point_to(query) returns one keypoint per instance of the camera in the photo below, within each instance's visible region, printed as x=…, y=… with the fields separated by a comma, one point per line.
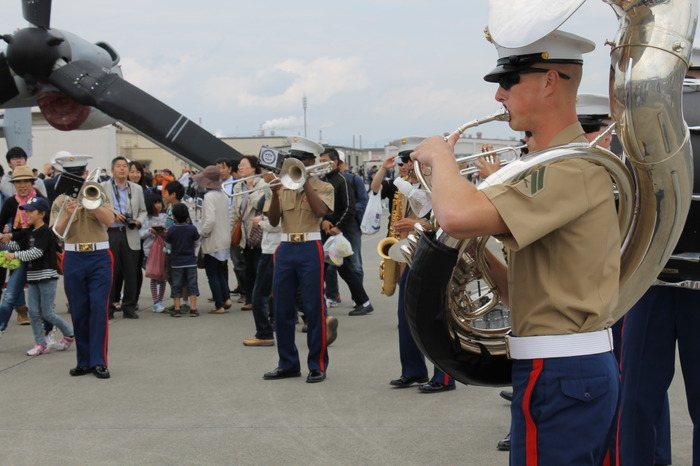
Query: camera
x=130, y=222
x=271, y=158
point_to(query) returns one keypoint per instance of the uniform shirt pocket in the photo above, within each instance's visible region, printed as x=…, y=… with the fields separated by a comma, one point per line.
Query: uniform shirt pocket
x=587, y=389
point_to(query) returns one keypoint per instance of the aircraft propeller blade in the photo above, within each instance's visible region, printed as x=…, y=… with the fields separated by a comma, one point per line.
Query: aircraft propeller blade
x=90, y=84
x=37, y=12
x=8, y=87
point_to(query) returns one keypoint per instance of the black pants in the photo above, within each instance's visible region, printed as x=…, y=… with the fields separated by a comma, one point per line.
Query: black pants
x=126, y=269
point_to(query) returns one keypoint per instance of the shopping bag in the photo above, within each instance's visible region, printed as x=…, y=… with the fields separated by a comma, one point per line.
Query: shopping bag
x=155, y=264
x=335, y=248
x=372, y=219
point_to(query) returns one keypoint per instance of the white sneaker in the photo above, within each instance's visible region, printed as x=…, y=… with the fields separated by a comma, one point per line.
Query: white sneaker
x=64, y=344
x=51, y=337
x=158, y=307
x=36, y=350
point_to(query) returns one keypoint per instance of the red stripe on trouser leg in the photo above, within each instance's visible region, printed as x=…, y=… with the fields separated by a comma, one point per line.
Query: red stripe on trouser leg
x=322, y=298
x=530, y=427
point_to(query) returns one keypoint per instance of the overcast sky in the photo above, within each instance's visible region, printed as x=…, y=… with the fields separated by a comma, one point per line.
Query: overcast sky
x=371, y=69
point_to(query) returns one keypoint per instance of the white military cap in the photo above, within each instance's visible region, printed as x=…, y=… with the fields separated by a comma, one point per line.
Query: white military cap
x=303, y=147
x=407, y=144
x=341, y=155
x=695, y=59
x=592, y=108
x=555, y=47
x=64, y=159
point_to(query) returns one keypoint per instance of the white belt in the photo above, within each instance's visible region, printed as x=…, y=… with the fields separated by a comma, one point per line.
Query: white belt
x=301, y=237
x=86, y=247
x=559, y=346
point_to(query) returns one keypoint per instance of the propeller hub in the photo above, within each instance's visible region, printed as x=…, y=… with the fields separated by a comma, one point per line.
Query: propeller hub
x=32, y=52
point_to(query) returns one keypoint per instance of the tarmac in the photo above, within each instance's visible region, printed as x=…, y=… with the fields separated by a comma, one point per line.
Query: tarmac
x=186, y=391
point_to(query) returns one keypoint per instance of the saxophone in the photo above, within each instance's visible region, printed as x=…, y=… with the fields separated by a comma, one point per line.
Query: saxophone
x=388, y=267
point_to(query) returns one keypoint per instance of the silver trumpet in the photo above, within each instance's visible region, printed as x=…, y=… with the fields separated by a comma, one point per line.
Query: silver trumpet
x=292, y=175
x=505, y=154
x=91, y=196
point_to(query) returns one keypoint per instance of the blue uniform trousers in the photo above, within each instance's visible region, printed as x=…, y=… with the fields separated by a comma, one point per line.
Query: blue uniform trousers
x=562, y=409
x=412, y=359
x=87, y=281
x=299, y=266
x=663, y=317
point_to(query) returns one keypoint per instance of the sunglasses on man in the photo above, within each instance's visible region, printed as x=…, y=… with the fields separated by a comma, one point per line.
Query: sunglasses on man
x=508, y=80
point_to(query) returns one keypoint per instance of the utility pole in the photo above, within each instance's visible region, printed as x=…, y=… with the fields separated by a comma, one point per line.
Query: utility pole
x=303, y=103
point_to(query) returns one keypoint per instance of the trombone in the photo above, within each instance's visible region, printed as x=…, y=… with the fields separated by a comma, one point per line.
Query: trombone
x=505, y=159
x=91, y=196
x=293, y=175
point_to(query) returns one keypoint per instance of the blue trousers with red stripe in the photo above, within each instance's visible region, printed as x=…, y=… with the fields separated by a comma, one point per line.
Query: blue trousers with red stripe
x=412, y=359
x=299, y=266
x=87, y=281
x=562, y=409
x=663, y=318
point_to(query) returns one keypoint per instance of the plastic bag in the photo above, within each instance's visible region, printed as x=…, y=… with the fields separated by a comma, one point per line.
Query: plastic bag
x=372, y=219
x=155, y=264
x=335, y=248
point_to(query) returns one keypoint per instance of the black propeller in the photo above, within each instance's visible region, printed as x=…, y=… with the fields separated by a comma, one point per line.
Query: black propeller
x=37, y=12
x=88, y=75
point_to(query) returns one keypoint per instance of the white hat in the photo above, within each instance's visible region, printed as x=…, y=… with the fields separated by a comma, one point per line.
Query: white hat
x=408, y=143
x=695, y=58
x=64, y=159
x=341, y=155
x=555, y=47
x=304, y=145
x=593, y=107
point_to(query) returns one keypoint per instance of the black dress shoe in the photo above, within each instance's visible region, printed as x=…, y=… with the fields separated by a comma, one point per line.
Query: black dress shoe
x=131, y=315
x=281, y=374
x=406, y=381
x=361, y=310
x=504, y=445
x=316, y=376
x=507, y=395
x=80, y=370
x=101, y=372
x=435, y=387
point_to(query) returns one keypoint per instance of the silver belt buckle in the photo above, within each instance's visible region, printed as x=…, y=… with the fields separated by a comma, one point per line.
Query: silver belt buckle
x=86, y=247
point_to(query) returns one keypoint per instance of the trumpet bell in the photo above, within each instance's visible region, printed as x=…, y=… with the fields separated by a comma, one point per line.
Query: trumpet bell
x=91, y=195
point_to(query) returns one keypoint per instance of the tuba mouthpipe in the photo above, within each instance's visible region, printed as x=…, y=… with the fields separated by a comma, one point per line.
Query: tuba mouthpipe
x=500, y=115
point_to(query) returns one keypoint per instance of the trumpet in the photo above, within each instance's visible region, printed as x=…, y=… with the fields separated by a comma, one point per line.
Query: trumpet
x=91, y=196
x=292, y=175
x=505, y=154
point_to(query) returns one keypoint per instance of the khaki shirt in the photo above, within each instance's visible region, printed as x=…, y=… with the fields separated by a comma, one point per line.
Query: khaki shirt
x=563, y=274
x=297, y=216
x=86, y=228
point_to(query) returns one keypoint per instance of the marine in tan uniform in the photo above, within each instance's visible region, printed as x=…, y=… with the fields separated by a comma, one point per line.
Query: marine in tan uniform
x=299, y=268
x=87, y=269
x=560, y=224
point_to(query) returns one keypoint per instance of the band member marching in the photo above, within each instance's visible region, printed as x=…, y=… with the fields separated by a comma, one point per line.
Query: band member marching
x=87, y=267
x=299, y=266
x=402, y=221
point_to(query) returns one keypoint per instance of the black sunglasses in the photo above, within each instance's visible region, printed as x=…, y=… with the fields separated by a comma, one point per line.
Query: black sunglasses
x=508, y=80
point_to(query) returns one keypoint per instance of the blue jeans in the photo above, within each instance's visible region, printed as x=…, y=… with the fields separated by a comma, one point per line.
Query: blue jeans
x=41, y=303
x=14, y=294
x=216, y=275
